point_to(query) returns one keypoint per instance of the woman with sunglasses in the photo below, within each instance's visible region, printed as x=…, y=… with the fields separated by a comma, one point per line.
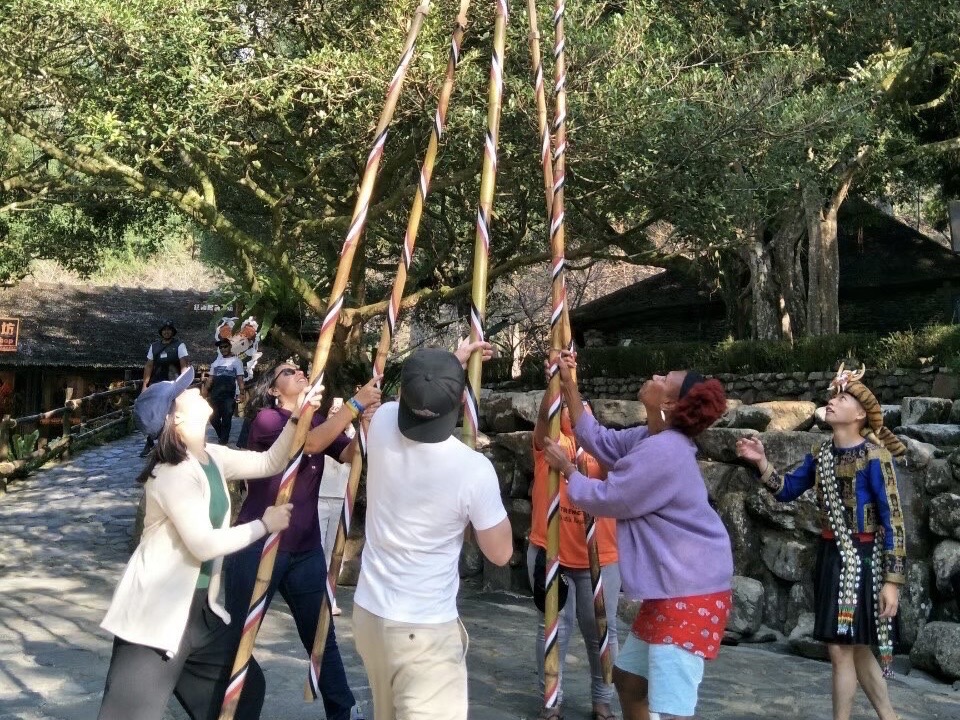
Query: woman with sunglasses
x=300, y=571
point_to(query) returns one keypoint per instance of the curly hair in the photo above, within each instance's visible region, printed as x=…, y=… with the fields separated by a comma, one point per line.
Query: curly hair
x=699, y=408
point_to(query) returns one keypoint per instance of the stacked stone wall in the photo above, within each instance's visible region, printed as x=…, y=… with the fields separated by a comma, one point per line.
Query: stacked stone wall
x=773, y=543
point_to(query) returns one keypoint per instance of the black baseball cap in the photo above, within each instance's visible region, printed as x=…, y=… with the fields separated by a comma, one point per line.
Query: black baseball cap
x=164, y=324
x=431, y=392
x=153, y=405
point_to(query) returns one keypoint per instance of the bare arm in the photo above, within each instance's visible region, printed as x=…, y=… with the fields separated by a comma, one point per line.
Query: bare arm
x=147, y=373
x=496, y=543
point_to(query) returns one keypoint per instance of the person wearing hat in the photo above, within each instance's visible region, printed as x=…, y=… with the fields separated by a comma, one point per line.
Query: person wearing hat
x=166, y=359
x=223, y=382
x=674, y=551
x=171, y=635
x=861, y=555
x=424, y=487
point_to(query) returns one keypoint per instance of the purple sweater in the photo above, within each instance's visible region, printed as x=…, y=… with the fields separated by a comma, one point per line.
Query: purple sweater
x=671, y=542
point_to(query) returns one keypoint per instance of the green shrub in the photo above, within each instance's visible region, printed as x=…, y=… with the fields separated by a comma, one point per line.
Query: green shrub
x=937, y=345
x=23, y=445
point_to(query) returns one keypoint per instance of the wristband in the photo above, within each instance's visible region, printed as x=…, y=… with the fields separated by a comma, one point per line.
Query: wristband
x=355, y=407
x=294, y=419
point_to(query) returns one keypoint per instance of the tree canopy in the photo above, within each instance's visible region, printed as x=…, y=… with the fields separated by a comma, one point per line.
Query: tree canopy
x=739, y=123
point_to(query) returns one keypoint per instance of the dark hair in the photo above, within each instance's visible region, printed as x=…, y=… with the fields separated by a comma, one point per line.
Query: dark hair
x=699, y=408
x=168, y=449
x=261, y=396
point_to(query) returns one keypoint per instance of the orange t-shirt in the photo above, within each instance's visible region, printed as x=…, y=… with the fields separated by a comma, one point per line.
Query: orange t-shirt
x=573, y=538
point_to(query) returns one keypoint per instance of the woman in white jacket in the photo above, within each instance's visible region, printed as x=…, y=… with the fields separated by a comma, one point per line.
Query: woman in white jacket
x=171, y=635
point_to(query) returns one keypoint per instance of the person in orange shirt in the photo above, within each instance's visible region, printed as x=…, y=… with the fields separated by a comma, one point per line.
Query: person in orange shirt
x=575, y=565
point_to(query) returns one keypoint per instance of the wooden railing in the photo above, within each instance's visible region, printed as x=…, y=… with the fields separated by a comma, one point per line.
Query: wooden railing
x=72, y=433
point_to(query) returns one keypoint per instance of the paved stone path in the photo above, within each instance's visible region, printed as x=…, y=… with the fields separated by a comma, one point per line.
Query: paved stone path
x=64, y=536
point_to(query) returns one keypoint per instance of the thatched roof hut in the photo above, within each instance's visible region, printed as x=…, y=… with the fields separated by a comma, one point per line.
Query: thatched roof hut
x=74, y=326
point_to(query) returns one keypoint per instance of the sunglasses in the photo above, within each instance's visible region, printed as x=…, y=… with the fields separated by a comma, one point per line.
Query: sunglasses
x=286, y=372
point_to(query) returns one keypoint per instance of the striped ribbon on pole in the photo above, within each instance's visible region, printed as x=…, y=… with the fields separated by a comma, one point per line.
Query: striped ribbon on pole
x=312, y=689
x=481, y=247
x=599, y=603
x=322, y=352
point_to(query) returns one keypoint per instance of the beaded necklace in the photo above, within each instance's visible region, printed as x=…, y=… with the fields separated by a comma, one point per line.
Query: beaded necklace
x=850, y=565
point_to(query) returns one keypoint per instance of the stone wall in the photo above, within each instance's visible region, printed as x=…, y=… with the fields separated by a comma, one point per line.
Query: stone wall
x=773, y=543
x=890, y=385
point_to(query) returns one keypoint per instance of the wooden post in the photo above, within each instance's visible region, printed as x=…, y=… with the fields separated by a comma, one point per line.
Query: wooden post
x=5, y=425
x=66, y=417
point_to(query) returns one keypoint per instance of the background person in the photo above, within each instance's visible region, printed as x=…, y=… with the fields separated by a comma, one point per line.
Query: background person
x=222, y=385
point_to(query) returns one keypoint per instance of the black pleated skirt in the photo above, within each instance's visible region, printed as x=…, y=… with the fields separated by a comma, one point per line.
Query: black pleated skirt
x=826, y=585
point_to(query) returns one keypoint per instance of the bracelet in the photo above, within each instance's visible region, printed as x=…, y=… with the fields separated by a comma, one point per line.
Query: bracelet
x=355, y=407
x=294, y=419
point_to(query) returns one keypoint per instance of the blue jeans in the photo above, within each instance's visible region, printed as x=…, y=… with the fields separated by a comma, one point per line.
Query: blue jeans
x=301, y=578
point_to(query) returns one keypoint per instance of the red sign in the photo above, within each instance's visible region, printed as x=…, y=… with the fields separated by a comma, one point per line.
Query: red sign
x=9, y=334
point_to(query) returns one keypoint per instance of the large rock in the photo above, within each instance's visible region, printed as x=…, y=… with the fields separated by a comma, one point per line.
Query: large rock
x=919, y=454
x=720, y=444
x=937, y=649
x=920, y=410
x=747, y=613
x=789, y=414
x=801, y=514
x=800, y=601
x=497, y=414
x=787, y=449
x=945, y=515
x=946, y=564
x=520, y=446
x=939, y=434
x=751, y=417
x=619, y=413
x=723, y=478
x=939, y=477
x=801, y=639
x=787, y=557
x=892, y=415
x=915, y=602
x=915, y=506
x=744, y=538
x=775, y=599
x=519, y=511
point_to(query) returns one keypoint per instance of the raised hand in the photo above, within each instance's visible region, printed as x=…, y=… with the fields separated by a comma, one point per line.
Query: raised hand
x=751, y=450
x=467, y=348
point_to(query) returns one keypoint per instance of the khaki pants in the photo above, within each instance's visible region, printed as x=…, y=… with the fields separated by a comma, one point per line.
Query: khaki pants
x=416, y=672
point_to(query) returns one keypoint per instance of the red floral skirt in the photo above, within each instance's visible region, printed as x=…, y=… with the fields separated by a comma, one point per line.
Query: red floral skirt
x=695, y=623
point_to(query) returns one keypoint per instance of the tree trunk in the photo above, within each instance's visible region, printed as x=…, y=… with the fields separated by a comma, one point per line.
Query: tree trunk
x=765, y=320
x=783, y=251
x=812, y=205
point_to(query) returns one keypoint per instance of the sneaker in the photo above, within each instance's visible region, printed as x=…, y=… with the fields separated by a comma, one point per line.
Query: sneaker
x=356, y=713
x=336, y=610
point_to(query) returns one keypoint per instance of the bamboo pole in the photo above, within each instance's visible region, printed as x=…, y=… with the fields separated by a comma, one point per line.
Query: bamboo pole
x=312, y=688
x=481, y=251
x=322, y=352
x=599, y=602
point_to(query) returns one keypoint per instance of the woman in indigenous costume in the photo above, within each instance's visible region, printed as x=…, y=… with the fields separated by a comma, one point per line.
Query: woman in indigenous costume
x=861, y=554
x=674, y=551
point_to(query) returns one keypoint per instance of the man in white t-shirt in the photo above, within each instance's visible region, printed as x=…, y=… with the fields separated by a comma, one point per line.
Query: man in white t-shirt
x=423, y=488
x=220, y=388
